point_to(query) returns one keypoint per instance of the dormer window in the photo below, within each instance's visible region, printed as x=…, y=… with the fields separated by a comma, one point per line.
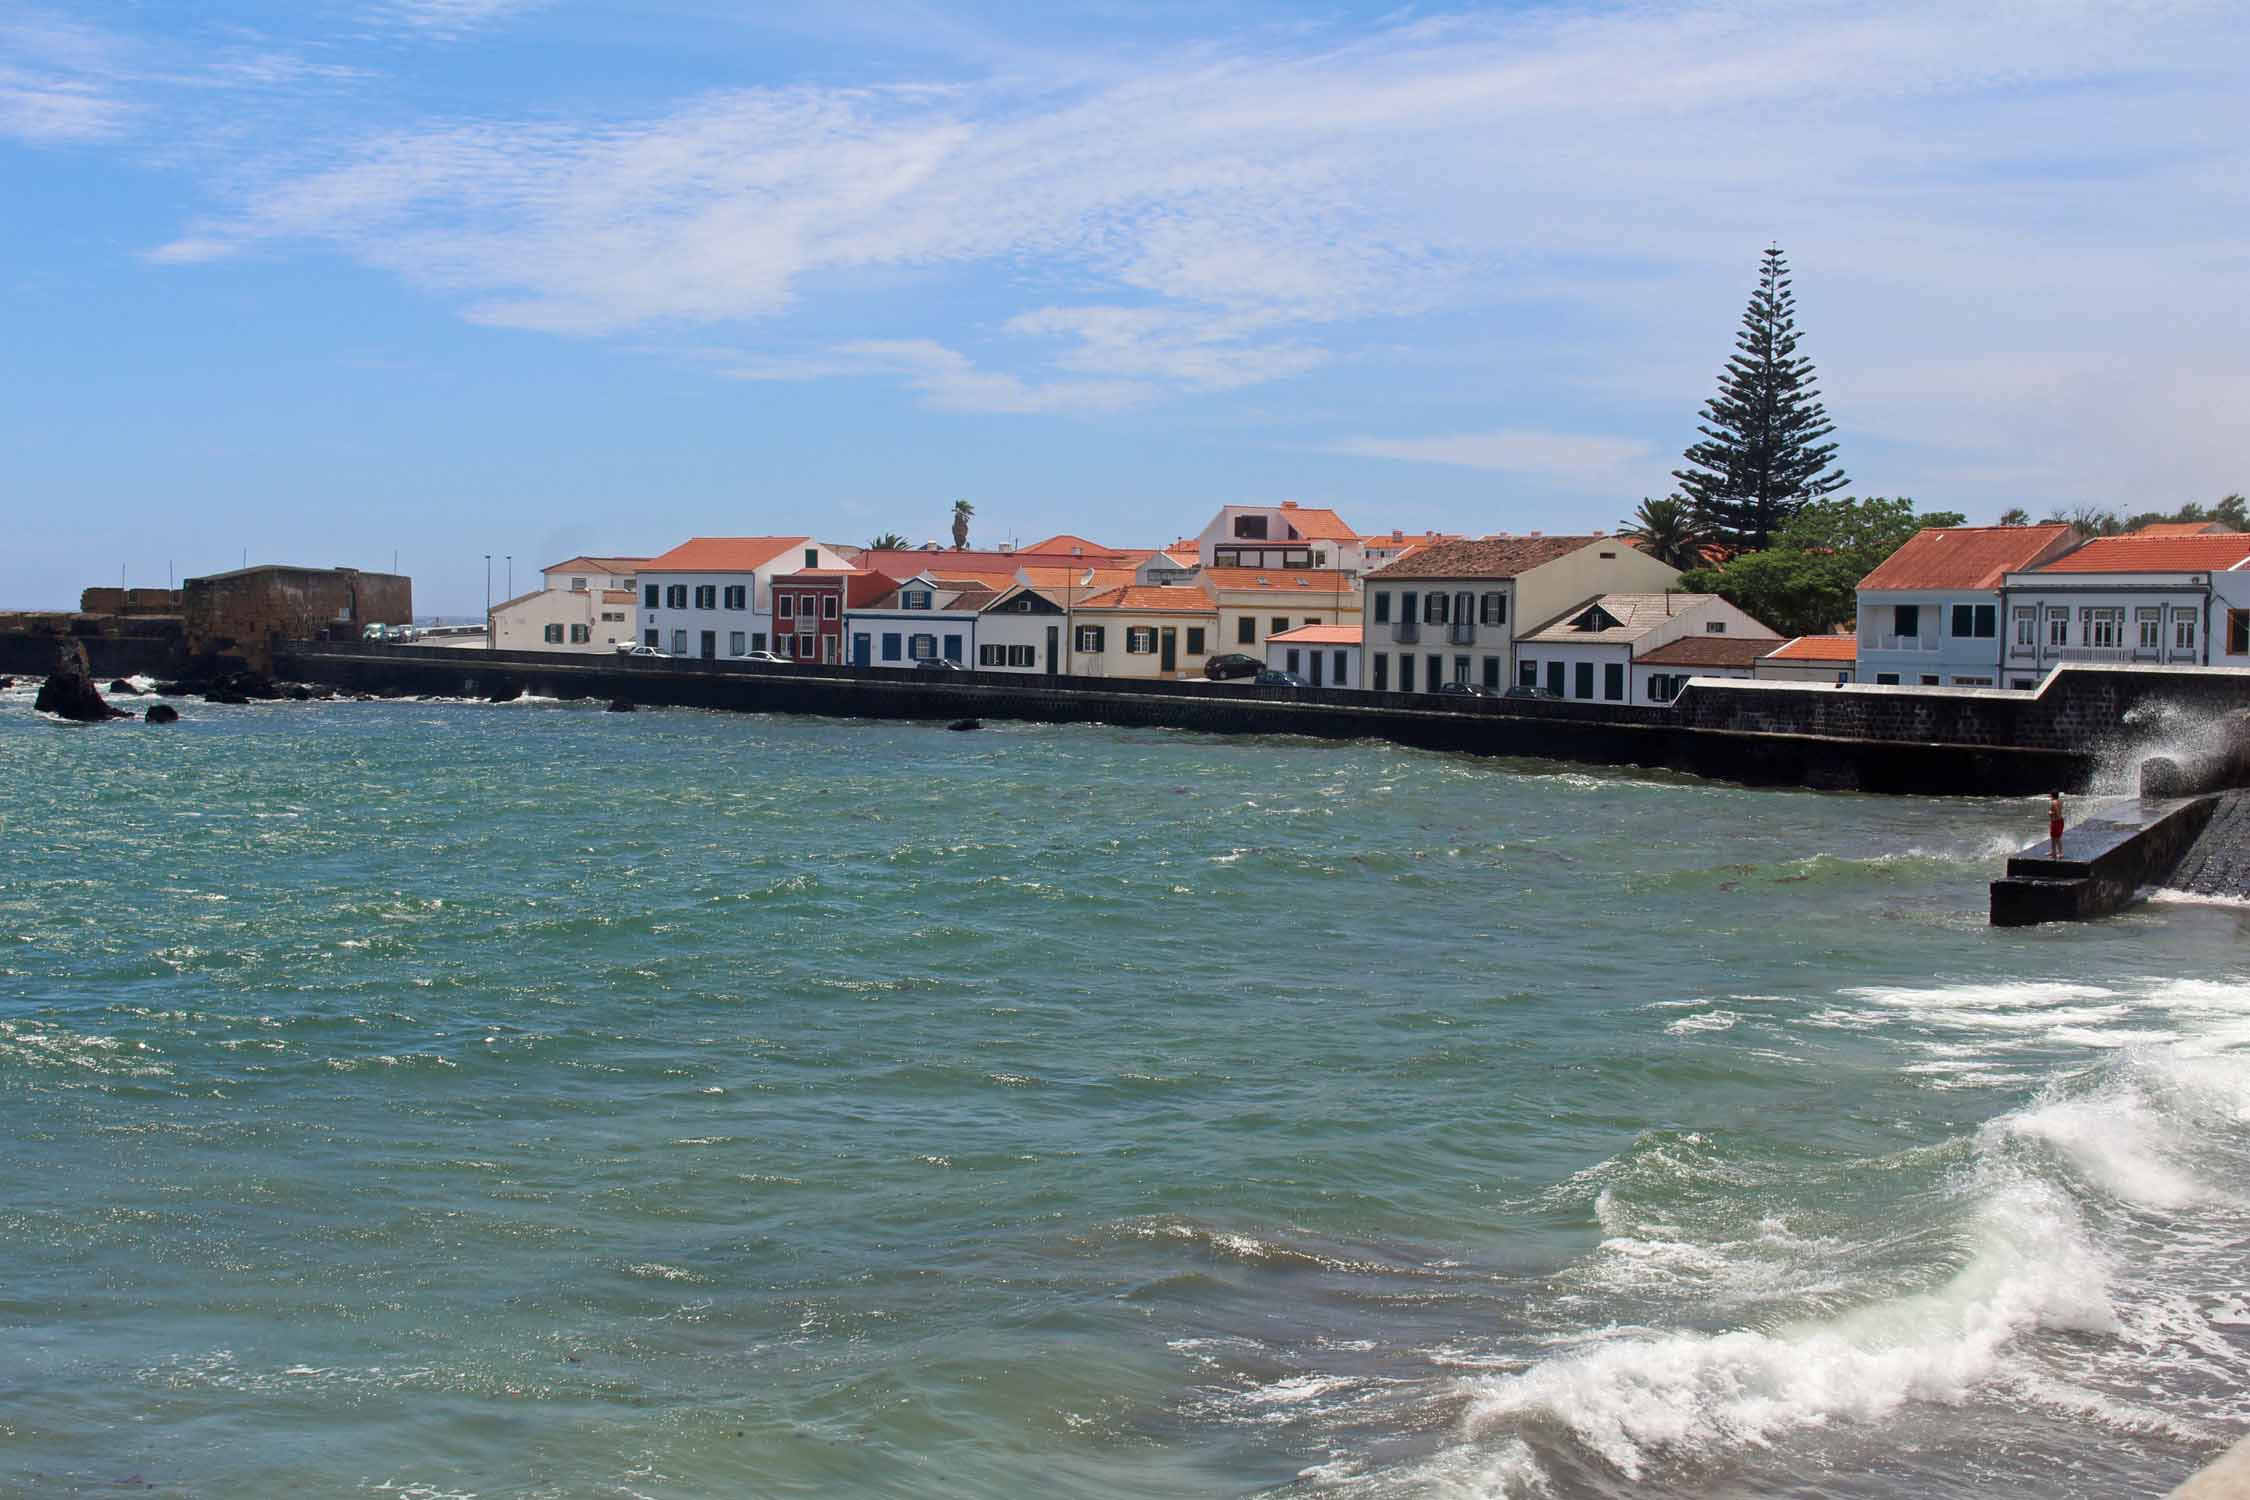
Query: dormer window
x=914, y=599
x=1715, y=627
x=1250, y=528
x=812, y=557
x=1596, y=618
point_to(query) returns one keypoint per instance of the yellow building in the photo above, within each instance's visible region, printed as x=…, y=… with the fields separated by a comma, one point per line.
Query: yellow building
x=1143, y=631
x=1256, y=603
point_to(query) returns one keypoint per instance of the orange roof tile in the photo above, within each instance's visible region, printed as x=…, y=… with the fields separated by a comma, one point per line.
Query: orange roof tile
x=1077, y=578
x=1319, y=635
x=1817, y=648
x=1317, y=523
x=617, y=596
x=1065, y=541
x=1175, y=601
x=2155, y=554
x=597, y=564
x=2183, y=528
x=723, y=554
x=1966, y=557
x=1310, y=580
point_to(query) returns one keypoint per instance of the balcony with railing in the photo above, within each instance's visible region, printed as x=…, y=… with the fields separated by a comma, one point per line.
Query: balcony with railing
x=1904, y=643
x=1462, y=633
x=1407, y=632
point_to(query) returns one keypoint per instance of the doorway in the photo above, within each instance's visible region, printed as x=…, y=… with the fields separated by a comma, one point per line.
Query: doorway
x=1316, y=659
x=863, y=649
x=1054, y=649
x=1168, y=640
x=710, y=645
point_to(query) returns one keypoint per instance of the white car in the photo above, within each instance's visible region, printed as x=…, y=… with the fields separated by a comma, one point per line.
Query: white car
x=625, y=650
x=764, y=656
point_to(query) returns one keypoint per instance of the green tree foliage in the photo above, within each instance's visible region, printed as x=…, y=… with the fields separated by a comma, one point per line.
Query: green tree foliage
x=1668, y=531
x=2095, y=520
x=1761, y=457
x=889, y=541
x=1807, y=583
x=962, y=510
x=2015, y=515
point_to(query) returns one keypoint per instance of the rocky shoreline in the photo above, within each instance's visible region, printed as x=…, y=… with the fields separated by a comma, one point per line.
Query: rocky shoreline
x=71, y=693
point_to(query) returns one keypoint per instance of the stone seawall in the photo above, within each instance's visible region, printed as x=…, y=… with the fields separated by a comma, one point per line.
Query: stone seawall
x=2107, y=860
x=1597, y=733
x=32, y=653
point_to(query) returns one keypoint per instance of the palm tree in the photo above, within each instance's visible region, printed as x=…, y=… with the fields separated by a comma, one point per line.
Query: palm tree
x=889, y=541
x=962, y=510
x=1668, y=531
x=2015, y=515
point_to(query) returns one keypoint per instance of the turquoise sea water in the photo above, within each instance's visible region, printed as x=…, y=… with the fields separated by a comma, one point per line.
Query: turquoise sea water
x=431, y=1100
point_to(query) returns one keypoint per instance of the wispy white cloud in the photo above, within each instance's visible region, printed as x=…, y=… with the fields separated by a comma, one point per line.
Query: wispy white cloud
x=58, y=80
x=447, y=19
x=1580, y=460
x=944, y=377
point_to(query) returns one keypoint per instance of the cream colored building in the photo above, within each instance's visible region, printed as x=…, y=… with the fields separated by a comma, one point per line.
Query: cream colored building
x=594, y=573
x=565, y=619
x=1140, y=631
x=1256, y=604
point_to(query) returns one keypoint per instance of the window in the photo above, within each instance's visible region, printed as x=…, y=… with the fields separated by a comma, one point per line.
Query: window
x=1886, y=679
x=2183, y=630
x=1245, y=631
x=1406, y=605
x=1437, y=673
x=1714, y=627
x=1289, y=660
x=1337, y=677
x=1460, y=669
x=609, y=618
x=1140, y=640
x=2238, y=632
x=894, y=645
x=1464, y=607
x=1660, y=689
x=738, y=597
x=1979, y=622
x=1434, y=608
x=1279, y=624
x=553, y=635
x=1972, y=682
x=2020, y=684
x=808, y=605
x=706, y=596
x=757, y=640
x=812, y=557
x=1383, y=607
x=1090, y=638
x=648, y=596
x=1406, y=672
x=1582, y=685
x=992, y=656
x=1527, y=673
x=914, y=598
x=737, y=643
x=1195, y=640
x=1492, y=673
x=2151, y=623
x=2058, y=627
x=1613, y=681
x=1929, y=679
x=806, y=646
x=675, y=596
x=578, y=585
x=1382, y=674
x=1492, y=609
x=679, y=643
x=2101, y=627
x=785, y=606
x=581, y=635
x=828, y=603
x=2027, y=627
x=1906, y=619
x=650, y=639
x=1251, y=528
x=1022, y=656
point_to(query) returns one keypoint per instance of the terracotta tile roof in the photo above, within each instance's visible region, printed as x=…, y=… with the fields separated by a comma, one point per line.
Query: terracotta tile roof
x=1065, y=541
x=1174, y=601
x=1965, y=557
x=2183, y=528
x=617, y=596
x=1491, y=557
x=1316, y=523
x=1281, y=580
x=2155, y=554
x=1821, y=648
x=723, y=554
x=1399, y=540
x=1076, y=579
x=1318, y=635
x=1636, y=615
x=597, y=564
x=1707, y=651
x=905, y=562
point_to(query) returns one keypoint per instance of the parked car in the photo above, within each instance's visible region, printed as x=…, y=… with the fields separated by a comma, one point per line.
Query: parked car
x=938, y=664
x=1272, y=678
x=767, y=657
x=1525, y=690
x=643, y=651
x=1467, y=690
x=1232, y=664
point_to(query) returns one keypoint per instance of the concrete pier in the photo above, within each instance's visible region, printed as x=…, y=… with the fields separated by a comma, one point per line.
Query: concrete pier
x=2107, y=860
x=2226, y=1478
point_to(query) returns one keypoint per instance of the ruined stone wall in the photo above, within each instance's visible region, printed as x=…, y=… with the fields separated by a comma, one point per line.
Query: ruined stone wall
x=100, y=601
x=246, y=614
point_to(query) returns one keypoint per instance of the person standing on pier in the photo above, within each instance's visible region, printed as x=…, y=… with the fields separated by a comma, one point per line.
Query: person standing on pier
x=2054, y=825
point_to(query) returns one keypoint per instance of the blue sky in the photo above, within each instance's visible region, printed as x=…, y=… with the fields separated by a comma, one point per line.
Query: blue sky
x=325, y=281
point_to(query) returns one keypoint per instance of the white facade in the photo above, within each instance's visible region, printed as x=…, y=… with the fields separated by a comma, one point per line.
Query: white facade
x=1021, y=631
x=1592, y=652
x=921, y=619
x=1278, y=536
x=712, y=610
x=2228, y=628
x=593, y=574
x=2152, y=618
x=1930, y=637
x=1323, y=656
x=1653, y=684
x=586, y=620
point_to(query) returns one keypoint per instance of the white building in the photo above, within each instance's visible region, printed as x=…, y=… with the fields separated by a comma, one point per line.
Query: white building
x=2168, y=600
x=1324, y=655
x=1022, y=629
x=1287, y=535
x=1138, y=631
x=584, y=574
x=1449, y=612
x=1810, y=658
x=1930, y=615
x=711, y=596
x=1639, y=648
x=564, y=619
x=925, y=617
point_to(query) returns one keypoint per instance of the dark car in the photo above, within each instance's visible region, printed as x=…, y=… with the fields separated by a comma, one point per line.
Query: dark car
x=1232, y=664
x=1279, y=679
x=1467, y=690
x=1525, y=690
x=937, y=664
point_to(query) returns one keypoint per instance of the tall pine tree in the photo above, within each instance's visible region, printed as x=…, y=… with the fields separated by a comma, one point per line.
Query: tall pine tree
x=1762, y=456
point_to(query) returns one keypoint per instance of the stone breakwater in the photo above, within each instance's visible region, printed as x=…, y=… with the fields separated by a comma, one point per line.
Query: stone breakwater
x=1594, y=733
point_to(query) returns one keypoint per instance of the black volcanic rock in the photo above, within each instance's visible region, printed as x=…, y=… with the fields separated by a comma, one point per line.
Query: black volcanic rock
x=507, y=694
x=162, y=713
x=621, y=706
x=966, y=724
x=124, y=688
x=227, y=696
x=71, y=695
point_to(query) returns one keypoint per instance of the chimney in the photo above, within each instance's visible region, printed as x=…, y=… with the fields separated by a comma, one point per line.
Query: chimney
x=1288, y=505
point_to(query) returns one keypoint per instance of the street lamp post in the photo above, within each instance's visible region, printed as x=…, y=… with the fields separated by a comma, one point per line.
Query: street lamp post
x=488, y=601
